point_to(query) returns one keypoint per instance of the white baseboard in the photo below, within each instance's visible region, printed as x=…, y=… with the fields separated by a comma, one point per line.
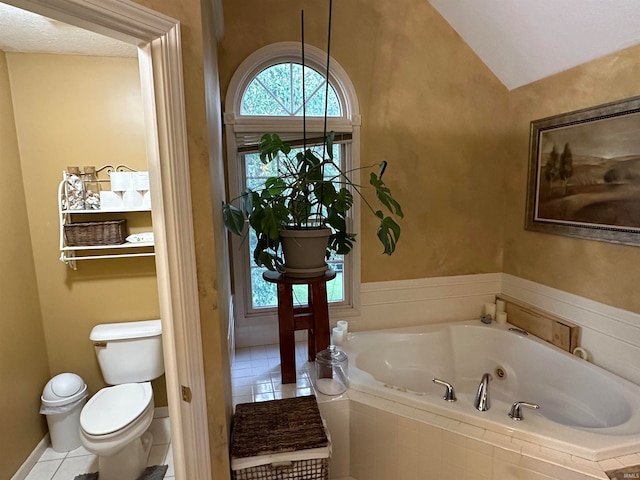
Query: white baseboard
x=610, y=335
x=32, y=459
x=256, y=332
x=161, y=412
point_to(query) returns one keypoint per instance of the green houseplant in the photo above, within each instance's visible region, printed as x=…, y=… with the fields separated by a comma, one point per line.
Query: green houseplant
x=307, y=199
x=309, y=192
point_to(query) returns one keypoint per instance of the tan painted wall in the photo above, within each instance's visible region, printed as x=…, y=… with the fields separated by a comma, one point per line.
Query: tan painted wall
x=213, y=279
x=601, y=271
x=217, y=363
x=78, y=110
x=429, y=106
x=23, y=353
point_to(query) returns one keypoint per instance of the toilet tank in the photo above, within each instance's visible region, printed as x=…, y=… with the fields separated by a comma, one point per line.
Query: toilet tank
x=129, y=352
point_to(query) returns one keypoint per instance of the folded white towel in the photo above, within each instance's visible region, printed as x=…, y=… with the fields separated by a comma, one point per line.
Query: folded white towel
x=145, y=237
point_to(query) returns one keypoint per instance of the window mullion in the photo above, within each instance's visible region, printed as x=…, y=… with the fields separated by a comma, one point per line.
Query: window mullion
x=291, y=96
x=271, y=94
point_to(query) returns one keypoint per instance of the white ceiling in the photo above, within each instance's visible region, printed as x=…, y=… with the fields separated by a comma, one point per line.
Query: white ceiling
x=521, y=41
x=22, y=31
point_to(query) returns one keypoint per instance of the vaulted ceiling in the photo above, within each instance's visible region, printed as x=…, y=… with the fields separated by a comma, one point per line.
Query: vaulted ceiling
x=521, y=41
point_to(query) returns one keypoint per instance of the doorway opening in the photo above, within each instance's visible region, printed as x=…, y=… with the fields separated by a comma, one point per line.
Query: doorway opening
x=158, y=40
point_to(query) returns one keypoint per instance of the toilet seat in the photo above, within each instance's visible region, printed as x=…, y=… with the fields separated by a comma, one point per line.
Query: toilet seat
x=113, y=408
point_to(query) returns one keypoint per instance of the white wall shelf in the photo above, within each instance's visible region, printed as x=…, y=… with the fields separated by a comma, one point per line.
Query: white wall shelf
x=70, y=254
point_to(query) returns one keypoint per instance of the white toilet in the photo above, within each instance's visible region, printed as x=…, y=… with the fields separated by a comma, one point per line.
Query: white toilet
x=114, y=422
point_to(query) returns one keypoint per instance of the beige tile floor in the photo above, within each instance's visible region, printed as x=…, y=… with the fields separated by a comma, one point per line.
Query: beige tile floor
x=255, y=375
x=65, y=466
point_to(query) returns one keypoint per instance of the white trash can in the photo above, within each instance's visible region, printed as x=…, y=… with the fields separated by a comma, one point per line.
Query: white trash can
x=62, y=401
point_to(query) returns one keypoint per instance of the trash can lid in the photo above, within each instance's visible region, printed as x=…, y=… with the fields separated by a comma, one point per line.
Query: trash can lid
x=63, y=389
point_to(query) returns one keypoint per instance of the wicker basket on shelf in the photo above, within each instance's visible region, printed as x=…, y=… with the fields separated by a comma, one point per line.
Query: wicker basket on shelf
x=87, y=234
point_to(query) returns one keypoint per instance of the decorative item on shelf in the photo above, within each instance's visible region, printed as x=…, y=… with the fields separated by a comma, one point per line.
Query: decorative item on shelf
x=337, y=336
x=143, y=237
x=146, y=200
x=140, y=181
x=121, y=181
x=110, y=200
x=73, y=189
x=132, y=200
x=332, y=377
x=309, y=192
x=344, y=326
x=129, y=189
x=489, y=313
x=141, y=186
x=91, y=189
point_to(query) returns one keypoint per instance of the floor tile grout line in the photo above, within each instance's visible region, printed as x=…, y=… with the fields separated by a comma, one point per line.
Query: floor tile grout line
x=59, y=466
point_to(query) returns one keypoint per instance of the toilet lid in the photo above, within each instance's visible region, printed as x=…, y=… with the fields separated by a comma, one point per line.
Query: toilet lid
x=113, y=408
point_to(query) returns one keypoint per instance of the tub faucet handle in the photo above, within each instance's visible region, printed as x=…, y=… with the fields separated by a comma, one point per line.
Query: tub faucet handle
x=516, y=409
x=450, y=394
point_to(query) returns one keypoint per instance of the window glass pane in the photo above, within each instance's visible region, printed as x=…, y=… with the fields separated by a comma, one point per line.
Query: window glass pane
x=277, y=91
x=277, y=81
x=263, y=294
x=258, y=101
x=335, y=288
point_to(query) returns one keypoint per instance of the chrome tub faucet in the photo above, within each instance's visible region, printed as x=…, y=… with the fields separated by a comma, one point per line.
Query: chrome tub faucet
x=482, y=397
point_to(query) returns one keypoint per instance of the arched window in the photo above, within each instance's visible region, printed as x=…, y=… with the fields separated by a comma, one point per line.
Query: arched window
x=275, y=91
x=265, y=96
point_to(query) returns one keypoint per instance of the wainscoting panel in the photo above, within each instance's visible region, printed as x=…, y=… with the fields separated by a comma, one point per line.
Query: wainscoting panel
x=422, y=301
x=396, y=304
x=610, y=335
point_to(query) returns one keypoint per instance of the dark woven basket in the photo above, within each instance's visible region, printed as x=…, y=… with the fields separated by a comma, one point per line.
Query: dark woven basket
x=86, y=234
x=279, y=426
x=310, y=469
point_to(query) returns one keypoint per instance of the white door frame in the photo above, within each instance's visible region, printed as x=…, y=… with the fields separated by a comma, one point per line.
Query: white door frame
x=158, y=39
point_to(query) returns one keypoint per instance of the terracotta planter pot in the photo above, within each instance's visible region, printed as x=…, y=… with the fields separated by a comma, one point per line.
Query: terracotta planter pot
x=304, y=251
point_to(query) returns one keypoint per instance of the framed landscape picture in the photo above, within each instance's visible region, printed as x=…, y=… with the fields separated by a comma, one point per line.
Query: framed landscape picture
x=584, y=173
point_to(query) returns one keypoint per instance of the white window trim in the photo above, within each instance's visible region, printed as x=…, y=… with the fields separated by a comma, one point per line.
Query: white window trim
x=237, y=124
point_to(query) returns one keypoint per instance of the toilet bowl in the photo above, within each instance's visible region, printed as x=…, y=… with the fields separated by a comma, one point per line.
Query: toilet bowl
x=113, y=425
x=114, y=422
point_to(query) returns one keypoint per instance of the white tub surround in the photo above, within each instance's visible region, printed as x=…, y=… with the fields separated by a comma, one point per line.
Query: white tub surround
x=393, y=440
x=584, y=411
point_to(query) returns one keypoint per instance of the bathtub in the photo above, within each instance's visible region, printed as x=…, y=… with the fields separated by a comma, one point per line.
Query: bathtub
x=584, y=410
